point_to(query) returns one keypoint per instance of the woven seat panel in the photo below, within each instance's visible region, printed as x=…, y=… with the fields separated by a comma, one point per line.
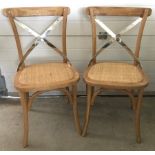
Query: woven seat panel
x=115, y=72
x=44, y=74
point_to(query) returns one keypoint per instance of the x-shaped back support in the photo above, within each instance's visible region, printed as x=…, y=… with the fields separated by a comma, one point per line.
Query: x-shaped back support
x=40, y=38
x=116, y=37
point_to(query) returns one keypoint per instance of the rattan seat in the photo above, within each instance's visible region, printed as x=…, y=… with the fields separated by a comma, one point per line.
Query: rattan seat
x=48, y=75
x=115, y=74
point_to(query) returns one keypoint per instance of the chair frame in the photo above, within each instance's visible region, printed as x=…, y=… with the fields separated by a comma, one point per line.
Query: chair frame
x=70, y=89
x=134, y=91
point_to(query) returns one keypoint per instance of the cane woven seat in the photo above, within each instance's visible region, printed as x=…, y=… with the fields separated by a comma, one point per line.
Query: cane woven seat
x=47, y=75
x=112, y=72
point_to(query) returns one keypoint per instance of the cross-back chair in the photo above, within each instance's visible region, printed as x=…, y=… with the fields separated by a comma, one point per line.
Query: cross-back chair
x=41, y=77
x=126, y=77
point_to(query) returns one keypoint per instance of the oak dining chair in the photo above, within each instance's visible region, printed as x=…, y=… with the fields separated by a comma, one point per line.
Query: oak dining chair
x=127, y=77
x=33, y=79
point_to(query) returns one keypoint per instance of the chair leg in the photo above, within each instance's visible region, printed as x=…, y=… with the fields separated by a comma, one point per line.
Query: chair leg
x=133, y=101
x=24, y=102
x=75, y=108
x=86, y=88
x=137, y=116
x=92, y=93
x=88, y=108
x=134, y=104
x=68, y=99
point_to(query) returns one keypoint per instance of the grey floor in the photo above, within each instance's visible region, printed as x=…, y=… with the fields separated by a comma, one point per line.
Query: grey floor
x=52, y=128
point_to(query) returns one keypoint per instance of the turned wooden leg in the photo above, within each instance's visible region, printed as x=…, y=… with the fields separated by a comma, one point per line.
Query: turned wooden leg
x=75, y=108
x=137, y=115
x=24, y=102
x=88, y=108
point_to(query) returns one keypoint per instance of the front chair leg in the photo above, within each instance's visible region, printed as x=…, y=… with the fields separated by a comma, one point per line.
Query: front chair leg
x=24, y=103
x=88, y=108
x=75, y=108
x=137, y=115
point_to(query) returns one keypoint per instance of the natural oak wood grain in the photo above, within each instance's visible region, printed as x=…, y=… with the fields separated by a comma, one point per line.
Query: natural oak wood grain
x=121, y=76
x=43, y=77
x=35, y=11
x=118, y=11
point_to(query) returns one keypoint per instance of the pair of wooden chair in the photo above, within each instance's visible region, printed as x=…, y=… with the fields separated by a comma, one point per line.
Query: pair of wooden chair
x=42, y=77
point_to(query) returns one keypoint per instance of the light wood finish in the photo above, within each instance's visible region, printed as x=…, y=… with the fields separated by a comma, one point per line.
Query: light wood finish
x=115, y=74
x=45, y=76
x=117, y=11
x=24, y=103
x=40, y=78
x=121, y=76
x=147, y=12
x=35, y=11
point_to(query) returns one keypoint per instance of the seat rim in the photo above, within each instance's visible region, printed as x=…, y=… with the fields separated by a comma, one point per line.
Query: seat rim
x=115, y=85
x=50, y=86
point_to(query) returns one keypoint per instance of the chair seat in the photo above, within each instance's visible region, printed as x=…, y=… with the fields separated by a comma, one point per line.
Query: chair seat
x=45, y=76
x=115, y=74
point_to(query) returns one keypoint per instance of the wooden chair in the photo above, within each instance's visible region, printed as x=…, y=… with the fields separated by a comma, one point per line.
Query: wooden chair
x=126, y=77
x=42, y=77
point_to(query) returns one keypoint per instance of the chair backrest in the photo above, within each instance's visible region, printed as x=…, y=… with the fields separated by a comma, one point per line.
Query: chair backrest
x=60, y=12
x=141, y=13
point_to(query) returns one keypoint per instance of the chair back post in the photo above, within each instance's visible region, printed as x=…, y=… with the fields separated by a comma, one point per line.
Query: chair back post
x=10, y=15
x=64, y=28
x=93, y=24
x=146, y=13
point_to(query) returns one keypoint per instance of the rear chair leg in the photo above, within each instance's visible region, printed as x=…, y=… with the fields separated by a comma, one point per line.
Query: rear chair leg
x=92, y=93
x=137, y=115
x=24, y=103
x=88, y=108
x=133, y=101
x=75, y=109
x=68, y=99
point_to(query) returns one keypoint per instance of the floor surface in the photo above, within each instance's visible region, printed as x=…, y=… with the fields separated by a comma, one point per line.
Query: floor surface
x=111, y=125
